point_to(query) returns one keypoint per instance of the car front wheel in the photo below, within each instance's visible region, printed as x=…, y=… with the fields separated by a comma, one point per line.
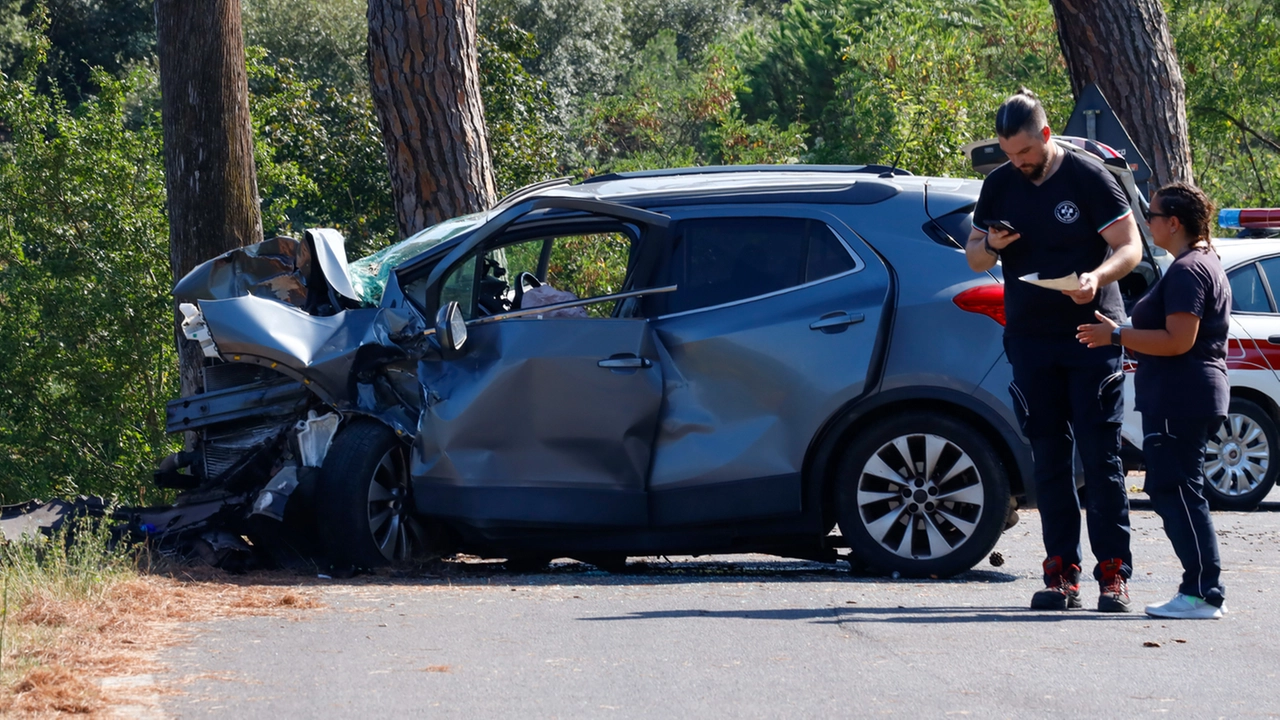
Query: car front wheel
x=922, y=494
x=364, y=507
x=1238, y=470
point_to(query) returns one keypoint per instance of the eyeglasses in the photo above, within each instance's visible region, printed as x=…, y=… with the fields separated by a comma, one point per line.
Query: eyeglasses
x=1148, y=214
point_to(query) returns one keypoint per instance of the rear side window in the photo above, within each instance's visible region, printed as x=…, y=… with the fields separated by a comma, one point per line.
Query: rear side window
x=721, y=260
x=952, y=229
x=1247, y=291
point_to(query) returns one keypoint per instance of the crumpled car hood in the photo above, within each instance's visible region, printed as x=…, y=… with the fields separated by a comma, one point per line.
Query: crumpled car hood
x=320, y=350
x=282, y=269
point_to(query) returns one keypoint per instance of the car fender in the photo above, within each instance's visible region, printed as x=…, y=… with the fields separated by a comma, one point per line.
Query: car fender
x=978, y=406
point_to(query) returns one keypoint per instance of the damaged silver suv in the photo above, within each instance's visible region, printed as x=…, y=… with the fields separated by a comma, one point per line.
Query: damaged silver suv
x=694, y=361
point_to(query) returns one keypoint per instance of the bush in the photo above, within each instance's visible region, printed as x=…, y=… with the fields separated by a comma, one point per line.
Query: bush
x=86, y=346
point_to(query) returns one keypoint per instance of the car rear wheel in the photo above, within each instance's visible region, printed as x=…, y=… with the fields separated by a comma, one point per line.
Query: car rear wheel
x=922, y=494
x=1237, y=461
x=364, y=503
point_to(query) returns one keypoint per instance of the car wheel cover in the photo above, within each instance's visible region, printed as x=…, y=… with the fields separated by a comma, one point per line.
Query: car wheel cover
x=920, y=496
x=390, y=524
x=1236, y=458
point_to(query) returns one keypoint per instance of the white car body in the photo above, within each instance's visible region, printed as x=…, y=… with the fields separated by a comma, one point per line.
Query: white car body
x=1253, y=349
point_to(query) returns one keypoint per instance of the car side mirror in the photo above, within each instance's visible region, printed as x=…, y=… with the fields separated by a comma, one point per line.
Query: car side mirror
x=451, y=328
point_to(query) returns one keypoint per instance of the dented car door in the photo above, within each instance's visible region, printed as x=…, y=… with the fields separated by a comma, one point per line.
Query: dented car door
x=777, y=324
x=543, y=420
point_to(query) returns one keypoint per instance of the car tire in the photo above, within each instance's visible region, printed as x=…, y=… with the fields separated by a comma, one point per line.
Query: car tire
x=1238, y=470
x=899, y=514
x=364, y=501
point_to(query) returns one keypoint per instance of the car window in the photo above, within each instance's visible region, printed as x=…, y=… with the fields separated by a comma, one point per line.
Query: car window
x=1247, y=291
x=458, y=287
x=952, y=229
x=570, y=267
x=722, y=260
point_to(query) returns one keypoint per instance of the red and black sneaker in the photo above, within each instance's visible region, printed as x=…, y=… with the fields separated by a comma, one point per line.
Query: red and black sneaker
x=1114, y=595
x=1062, y=587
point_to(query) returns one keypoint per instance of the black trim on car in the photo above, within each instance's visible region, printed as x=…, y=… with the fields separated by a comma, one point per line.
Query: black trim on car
x=497, y=505
x=729, y=501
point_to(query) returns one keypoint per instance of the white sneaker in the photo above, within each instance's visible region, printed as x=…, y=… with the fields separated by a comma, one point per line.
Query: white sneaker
x=1185, y=607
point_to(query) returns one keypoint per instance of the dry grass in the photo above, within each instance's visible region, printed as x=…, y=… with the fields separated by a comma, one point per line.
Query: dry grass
x=70, y=622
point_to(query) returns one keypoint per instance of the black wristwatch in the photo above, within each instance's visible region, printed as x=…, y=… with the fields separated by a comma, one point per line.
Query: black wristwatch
x=987, y=244
x=1115, y=336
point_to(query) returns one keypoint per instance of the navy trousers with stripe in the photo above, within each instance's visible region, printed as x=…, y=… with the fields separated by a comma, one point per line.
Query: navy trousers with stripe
x=1173, y=449
x=1069, y=398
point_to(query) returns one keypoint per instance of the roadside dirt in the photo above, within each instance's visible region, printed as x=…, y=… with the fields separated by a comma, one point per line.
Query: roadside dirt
x=95, y=657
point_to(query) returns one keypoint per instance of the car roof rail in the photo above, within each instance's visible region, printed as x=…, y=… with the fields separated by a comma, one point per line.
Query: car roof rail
x=723, y=169
x=517, y=195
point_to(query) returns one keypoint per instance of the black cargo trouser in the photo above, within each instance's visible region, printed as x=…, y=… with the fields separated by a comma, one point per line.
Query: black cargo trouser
x=1070, y=397
x=1173, y=449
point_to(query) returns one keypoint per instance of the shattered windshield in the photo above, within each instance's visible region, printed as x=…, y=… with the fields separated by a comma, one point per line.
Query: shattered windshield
x=369, y=274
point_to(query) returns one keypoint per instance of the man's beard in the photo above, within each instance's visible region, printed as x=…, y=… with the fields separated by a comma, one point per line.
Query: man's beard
x=1037, y=171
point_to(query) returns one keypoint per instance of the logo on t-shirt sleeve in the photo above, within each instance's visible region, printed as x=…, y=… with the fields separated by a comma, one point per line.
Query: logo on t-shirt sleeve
x=1066, y=212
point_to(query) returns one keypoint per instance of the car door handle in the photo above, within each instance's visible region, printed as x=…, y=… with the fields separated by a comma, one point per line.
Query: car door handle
x=625, y=362
x=836, y=319
x=1274, y=339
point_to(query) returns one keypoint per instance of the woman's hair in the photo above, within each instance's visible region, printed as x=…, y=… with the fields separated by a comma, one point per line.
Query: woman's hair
x=1022, y=112
x=1191, y=206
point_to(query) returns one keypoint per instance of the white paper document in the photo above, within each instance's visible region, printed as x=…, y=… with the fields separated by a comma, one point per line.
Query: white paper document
x=1070, y=282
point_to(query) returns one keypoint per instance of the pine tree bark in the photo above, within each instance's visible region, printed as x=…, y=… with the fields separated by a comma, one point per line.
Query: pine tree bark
x=210, y=175
x=425, y=78
x=1125, y=48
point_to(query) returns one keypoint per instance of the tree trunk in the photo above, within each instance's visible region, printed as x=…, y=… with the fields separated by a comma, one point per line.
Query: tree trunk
x=1124, y=46
x=210, y=176
x=425, y=78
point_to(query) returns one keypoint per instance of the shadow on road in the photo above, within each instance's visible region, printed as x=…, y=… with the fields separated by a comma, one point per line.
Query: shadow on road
x=474, y=572
x=1142, y=503
x=902, y=615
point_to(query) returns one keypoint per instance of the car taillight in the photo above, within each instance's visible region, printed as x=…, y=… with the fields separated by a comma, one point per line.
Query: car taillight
x=984, y=299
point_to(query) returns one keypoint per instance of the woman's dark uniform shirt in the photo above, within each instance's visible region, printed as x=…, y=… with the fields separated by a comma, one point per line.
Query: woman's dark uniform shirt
x=1193, y=384
x=1061, y=221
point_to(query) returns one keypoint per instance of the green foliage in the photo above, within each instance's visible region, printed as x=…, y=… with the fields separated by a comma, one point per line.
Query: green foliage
x=319, y=156
x=904, y=80
x=1230, y=58
x=670, y=112
x=78, y=562
x=84, y=36
x=86, y=346
x=587, y=48
x=518, y=110
x=325, y=40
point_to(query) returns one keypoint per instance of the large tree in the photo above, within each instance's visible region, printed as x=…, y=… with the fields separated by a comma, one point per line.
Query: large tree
x=425, y=79
x=1124, y=46
x=210, y=176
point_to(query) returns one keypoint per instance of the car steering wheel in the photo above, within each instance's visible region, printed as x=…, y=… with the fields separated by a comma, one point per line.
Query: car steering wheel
x=524, y=281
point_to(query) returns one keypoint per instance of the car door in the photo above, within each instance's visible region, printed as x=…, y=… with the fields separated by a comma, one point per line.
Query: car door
x=773, y=327
x=1254, y=310
x=545, y=419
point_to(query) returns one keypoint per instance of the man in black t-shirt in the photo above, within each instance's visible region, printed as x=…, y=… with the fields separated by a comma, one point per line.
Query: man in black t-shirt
x=1052, y=213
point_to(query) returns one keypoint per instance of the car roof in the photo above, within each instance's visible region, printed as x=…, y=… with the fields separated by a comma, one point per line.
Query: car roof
x=1237, y=252
x=853, y=183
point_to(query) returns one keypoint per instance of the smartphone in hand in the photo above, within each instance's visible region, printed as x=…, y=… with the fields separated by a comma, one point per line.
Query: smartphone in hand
x=1004, y=225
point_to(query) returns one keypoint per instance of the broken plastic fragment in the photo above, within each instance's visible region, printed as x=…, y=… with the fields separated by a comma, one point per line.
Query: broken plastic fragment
x=275, y=495
x=314, y=437
x=194, y=328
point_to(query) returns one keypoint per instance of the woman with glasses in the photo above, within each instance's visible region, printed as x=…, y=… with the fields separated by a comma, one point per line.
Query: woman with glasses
x=1179, y=338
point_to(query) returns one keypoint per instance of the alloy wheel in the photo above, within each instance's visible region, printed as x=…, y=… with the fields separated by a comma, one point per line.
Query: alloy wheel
x=920, y=496
x=394, y=530
x=1237, y=456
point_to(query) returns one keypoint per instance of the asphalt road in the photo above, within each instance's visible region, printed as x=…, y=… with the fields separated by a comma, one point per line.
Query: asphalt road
x=750, y=636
